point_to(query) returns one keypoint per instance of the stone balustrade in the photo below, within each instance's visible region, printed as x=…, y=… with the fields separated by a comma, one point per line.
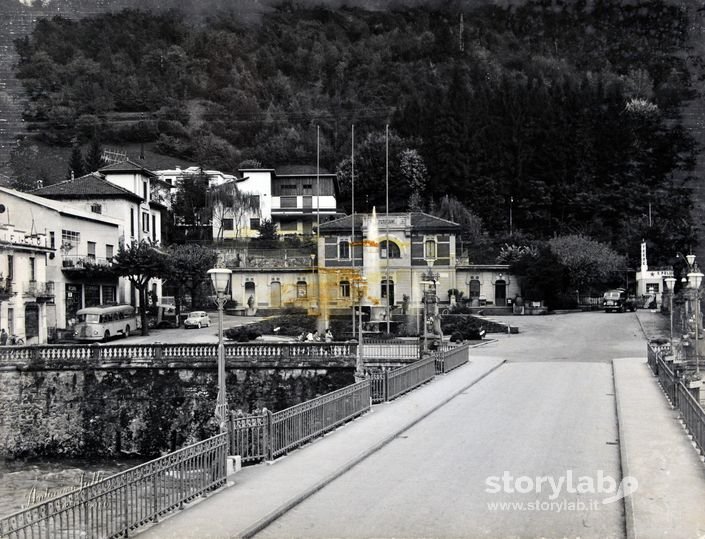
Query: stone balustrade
x=18, y=356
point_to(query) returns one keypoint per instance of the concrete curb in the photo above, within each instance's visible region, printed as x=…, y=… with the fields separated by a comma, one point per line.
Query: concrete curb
x=296, y=500
x=629, y=521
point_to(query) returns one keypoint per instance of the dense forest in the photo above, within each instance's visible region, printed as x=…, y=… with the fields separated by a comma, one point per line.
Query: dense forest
x=563, y=114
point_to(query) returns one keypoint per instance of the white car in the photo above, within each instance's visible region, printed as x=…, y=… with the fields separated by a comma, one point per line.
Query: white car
x=197, y=319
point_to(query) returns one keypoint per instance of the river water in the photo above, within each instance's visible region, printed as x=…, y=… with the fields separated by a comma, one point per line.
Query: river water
x=23, y=482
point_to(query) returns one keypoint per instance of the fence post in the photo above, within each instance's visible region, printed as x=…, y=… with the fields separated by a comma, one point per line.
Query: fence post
x=268, y=435
x=231, y=434
x=385, y=386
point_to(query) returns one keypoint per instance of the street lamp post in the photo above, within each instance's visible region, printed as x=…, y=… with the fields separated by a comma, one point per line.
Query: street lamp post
x=359, y=363
x=671, y=283
x=429, y=280
x=220, y=277
x=695, y=278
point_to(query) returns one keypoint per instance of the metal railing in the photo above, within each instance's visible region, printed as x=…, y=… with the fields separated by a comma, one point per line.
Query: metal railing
x=693, y=415
x=122, y=503
x=452, y=358
x=676, y=389
x=248, y=436
x=269, y=435
x=404, y=379
x=294, y=426
x=668, y=380
x=38, y=288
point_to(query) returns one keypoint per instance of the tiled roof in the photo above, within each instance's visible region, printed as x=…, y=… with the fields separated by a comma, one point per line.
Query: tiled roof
x=419, y=221
x=128, y=166
x=90, y=185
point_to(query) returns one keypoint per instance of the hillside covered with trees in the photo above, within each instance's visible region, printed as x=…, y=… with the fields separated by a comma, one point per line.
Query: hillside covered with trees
x=564, y=114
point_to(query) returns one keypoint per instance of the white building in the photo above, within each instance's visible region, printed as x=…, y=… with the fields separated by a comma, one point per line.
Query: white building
x=295, y=198
x=650, y=281
x=125, y=191
x=44, y=247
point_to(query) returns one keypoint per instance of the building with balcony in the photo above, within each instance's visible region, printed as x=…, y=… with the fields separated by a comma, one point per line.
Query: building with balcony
x=125, y=191
x=295, y=198
x=54, y=261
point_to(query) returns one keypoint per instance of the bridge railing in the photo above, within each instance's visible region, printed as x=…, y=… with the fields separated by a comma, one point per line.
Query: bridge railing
x=206, y=351
x=693, y=415
x=451, y=358
x=269, y=435
x=122, y=503
x=404, y=379
x=678, y=391
x=391, y=349
x=298, y=424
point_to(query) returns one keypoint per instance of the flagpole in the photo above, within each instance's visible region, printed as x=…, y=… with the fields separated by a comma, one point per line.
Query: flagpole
x=386, y=206
x=352, y=236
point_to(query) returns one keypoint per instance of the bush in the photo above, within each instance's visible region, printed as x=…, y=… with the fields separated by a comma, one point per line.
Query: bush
x=291, y=325
x=242, y=334
x=463, y=328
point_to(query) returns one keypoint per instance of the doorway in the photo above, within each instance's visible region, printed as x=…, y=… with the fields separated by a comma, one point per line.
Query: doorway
x=275, y=299
x=500, y=293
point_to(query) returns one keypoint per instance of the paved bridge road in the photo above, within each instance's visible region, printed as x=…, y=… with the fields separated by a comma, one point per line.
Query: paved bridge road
x=549, y=412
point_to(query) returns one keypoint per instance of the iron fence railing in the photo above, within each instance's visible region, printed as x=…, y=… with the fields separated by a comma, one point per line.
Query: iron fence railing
x=296, y=425
x=269, y=435
x=676, y=387
x=668, y=380
x=404, y=379
x=248, y=436
x=122, y=503
x=452, y=358
x=693, y=415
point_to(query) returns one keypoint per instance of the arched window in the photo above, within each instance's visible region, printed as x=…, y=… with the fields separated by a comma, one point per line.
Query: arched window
x=344, y=289
x=389, y=247
x=430, y=249
x=344, y=249
x=301, y=289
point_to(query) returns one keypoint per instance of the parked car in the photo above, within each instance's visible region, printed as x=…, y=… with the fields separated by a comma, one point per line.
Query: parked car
x=617, y=300
x=197, y=319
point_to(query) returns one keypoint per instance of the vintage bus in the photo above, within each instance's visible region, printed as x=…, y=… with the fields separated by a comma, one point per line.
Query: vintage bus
x=104, y=321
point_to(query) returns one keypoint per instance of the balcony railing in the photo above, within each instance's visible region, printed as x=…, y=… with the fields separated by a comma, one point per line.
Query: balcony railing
x=6, y=289
x=85, y=261
x=38, y=289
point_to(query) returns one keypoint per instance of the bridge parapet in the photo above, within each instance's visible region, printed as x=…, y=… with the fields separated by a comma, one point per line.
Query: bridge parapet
x=62, y=354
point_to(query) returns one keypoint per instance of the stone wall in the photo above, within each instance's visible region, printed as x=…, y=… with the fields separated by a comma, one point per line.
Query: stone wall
x=88, y=408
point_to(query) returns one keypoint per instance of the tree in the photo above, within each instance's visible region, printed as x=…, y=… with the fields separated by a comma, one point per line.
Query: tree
x=94, y=157
x=190, y=207
x=188, y=267
x=588, y=262
x=140, y=262
x=413, y=170
x=226, y=201
x=268, y=236
x=77, y=166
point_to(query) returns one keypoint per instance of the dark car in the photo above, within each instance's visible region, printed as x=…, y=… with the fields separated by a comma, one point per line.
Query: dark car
x=617, y=300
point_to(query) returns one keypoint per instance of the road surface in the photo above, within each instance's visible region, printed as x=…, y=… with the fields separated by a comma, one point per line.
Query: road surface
x=530, y=451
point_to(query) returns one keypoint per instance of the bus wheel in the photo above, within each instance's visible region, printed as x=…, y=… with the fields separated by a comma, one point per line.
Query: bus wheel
x=106, y=336
x=127, y=331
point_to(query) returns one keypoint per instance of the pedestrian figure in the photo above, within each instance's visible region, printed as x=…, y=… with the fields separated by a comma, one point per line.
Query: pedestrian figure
x=329, y=335
x=3, y=337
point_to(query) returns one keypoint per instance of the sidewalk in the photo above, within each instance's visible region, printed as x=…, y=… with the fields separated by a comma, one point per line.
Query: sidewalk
x=263, y=492
x=656, y=451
